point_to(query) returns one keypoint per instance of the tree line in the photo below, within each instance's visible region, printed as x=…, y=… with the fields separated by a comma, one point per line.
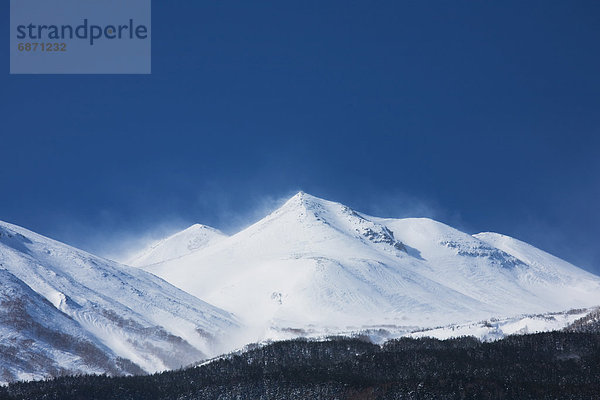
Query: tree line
x=540, y=366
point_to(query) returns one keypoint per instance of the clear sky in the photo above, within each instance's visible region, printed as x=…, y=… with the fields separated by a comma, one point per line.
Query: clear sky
x=484, y=115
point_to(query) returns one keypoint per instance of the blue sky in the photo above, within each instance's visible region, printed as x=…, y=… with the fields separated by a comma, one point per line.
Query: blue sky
x=484, y=115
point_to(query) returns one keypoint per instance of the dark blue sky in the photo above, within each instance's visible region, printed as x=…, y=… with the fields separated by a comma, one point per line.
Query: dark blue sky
x=484, y=115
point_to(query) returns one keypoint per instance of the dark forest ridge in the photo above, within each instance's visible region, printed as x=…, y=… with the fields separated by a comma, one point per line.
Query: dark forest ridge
x=541, y=366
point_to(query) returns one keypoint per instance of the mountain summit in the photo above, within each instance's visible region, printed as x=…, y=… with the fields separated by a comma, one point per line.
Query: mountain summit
x=318, y=265
x=181, y=243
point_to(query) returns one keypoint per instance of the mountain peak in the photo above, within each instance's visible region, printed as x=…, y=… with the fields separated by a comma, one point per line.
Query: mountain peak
x=306, y=201
x=197, y=228
x=191, y=239
x=302, y=196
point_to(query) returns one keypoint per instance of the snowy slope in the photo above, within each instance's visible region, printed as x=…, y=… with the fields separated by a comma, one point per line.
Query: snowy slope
x=194, y=238
x=39, y=341
x=124, y=310
x=545, y=270
x=315, y=265
x=492, y=274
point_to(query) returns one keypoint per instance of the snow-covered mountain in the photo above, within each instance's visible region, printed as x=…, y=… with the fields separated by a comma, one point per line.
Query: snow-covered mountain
x=194, y=238
x=318, y=266
x=65, y=310
x=313, y=267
